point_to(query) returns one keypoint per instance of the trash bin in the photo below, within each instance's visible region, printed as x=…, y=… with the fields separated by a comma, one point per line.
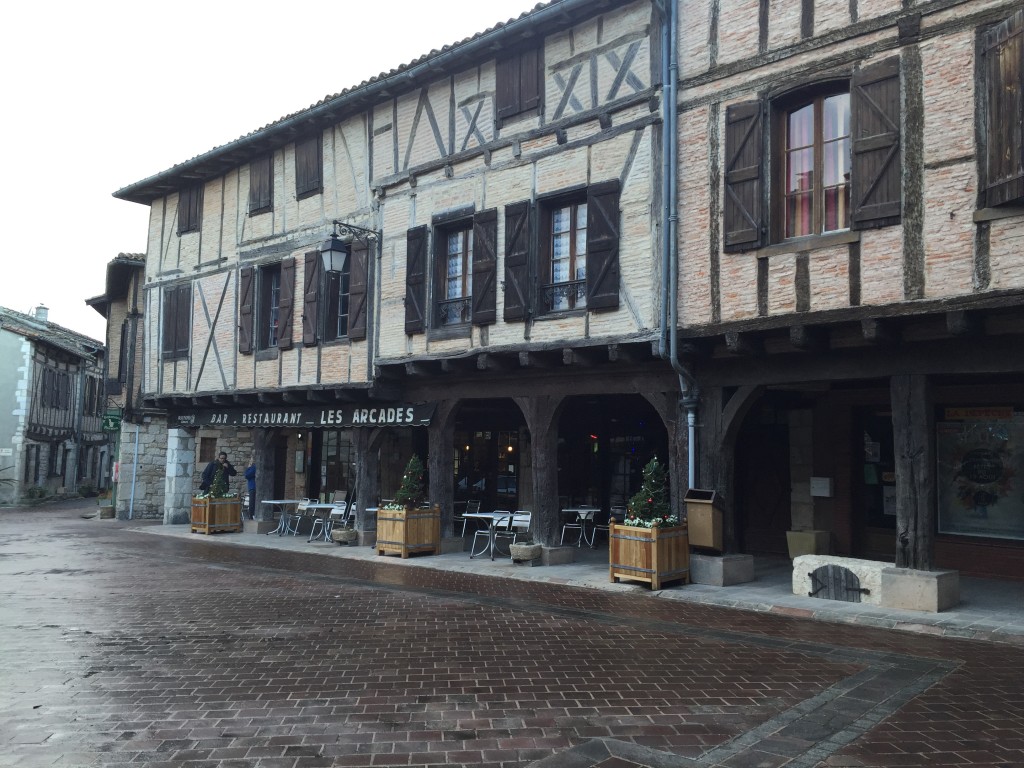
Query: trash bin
x=704, y=519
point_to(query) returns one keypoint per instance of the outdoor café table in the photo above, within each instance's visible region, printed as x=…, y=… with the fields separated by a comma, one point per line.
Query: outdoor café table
x=282, y=507
x=490, y=519
x=584, y=515
x=325, y=509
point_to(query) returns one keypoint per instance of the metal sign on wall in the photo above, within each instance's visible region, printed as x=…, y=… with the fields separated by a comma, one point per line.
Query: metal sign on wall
x=310, y=417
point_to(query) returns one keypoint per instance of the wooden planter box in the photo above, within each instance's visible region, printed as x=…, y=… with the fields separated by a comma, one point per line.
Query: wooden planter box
x=655, y=555
x=216, y=515
x=404, y=531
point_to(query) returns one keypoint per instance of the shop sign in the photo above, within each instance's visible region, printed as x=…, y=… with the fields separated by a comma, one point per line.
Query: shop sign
x=311, y=417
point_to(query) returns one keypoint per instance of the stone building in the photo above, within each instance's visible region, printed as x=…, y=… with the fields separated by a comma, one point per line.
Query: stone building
x=51, y=390
x=776, y=245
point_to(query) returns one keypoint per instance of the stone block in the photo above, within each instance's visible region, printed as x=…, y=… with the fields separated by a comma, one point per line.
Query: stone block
x=914, y=590
x=366, y=538
x=526, y=554
x=721, y=570
x=808, y=543
x=452, y=544
x=557, y=555
x=258, y=526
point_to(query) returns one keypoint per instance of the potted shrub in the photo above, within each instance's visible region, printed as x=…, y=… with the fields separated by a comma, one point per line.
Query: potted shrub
x=406, y=525
x=650, y=544
x=217, y=510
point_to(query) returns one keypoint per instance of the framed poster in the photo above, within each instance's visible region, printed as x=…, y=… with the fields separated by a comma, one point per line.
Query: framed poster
x=980, y=458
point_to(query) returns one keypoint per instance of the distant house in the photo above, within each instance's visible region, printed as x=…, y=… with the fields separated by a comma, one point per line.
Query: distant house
x=51, y=402
x=139, y=481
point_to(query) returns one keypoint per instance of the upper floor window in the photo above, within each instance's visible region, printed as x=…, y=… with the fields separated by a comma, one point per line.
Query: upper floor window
x=190, y=208
x=565, y=248
x=122, y=353
x=334, y=303
x=833, y=152
x=177, y=321
x=816, y=191
x=456, y=275
x=261, y=185
x=308, y=167
x=518, y=84
x=266, y=299
x=1003, y=168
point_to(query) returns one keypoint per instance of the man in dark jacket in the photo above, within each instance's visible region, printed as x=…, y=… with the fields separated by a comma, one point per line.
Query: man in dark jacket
x=211, y=470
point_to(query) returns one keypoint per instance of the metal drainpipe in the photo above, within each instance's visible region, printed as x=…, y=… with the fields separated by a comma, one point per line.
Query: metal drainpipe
x=135, y=472
x=689, y=392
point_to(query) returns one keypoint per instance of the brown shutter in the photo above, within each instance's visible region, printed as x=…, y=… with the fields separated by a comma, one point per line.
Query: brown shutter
x=357, y=284
x=506, y=91
x=603, y=245
x=485, y=267
x=1003, y=50
x=167, y=346
x=246, y=284
x=308, y=166
x=183, y=324
x=286, y=304
x=310, y=297
x=517, y=261
x=876, y=183
x=415, y=279
x=260, y=184
x=744, y=153
x=530, y=80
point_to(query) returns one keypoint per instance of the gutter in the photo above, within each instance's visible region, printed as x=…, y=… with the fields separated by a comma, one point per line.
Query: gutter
x=668, y=348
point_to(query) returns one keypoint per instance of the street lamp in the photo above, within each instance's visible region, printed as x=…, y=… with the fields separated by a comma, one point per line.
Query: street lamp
x=336, y=248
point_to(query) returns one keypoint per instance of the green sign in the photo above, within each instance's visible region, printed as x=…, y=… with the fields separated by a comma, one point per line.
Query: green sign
x=111, y=422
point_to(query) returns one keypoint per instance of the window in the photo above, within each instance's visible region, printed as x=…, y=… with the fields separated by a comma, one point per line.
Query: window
x=816, y=162
x=455, y=286
x=266, y=298
x=177, y=321
x=577, y=242
x=1003, y=68
x=565, y=251
x=308, y=167
x=334, y=304
x=122, y=353
x=261, y=185
x=833, y=151
x=190, y=208
x=518, y=84
x=464, y=286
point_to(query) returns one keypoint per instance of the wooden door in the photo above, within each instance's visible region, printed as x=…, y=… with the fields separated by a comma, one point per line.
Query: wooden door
x=762, y=487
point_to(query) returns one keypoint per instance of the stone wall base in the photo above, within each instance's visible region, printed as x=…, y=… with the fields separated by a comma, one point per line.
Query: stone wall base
x=721, y=570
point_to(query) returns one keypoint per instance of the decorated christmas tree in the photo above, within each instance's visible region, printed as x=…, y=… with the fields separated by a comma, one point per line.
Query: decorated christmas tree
x=411, y=493
x=219, y=484
x=650, y=505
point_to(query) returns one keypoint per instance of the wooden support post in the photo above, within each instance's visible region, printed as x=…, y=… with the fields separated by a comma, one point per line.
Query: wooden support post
x=441, y=462
x=542, y=420
x=912, y=422
x=263, y=446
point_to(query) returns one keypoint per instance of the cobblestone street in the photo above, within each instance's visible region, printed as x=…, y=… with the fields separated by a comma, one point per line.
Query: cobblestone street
x=126, y=648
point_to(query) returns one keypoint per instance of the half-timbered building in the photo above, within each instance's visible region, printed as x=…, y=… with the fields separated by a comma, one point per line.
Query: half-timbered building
x=51, y=441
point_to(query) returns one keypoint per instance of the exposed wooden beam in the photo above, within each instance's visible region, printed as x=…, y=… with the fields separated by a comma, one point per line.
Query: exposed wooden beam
x=295, y=398
x=536, y=360
x=960, y=322
x=584, y=357
x=487, y=361
x=808, y=338
x=418, y=369
x=877, y=331
x=620, y=353
x=743, y=343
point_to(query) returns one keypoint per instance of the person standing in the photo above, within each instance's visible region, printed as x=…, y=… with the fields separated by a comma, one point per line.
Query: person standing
x=250, y=479
x=221, y=463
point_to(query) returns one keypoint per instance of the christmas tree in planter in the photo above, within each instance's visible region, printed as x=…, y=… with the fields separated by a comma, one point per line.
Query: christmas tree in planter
x=650, y=505
x=219, y=484
x=411, y=494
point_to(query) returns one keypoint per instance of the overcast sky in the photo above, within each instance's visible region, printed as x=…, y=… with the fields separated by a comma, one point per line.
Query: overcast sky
x=101, y=95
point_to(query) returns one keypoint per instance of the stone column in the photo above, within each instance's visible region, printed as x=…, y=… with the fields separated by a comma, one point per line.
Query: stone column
x=181, y=460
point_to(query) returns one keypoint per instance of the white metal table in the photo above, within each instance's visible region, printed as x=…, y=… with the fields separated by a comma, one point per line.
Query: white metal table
x=584, y=515
x=281, y=505
x=491, y=520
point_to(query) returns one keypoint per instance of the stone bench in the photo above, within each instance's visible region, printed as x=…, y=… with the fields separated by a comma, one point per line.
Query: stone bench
x=885, y=585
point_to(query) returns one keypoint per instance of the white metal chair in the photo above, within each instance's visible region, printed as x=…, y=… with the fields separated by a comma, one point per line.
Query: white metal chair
x=472, y=506
x=300, y=513
x=601, y=523
x=326, y=519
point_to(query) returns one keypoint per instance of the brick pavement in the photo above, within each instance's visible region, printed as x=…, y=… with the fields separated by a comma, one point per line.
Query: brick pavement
x=127, y=649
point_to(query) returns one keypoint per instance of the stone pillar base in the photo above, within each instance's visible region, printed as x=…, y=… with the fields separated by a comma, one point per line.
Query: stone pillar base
x=557, y=555
x=452, y=544
x=721, y=570
x=258, y=526
x=367, y=538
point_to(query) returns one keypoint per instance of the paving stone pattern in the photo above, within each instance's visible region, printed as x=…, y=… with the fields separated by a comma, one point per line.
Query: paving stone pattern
x=121, y=648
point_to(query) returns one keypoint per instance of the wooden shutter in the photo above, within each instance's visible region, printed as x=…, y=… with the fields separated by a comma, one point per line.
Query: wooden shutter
x=415, y=279
x=286, y=304
x=260, y=184
x=190, y=201
x=744, y=160
x=517, y=261
x=603, y=245
x=307, y=166
x=183, y=321
x=529, y=80
x=357, y=288
x=246, y=285
x=506, y=91
x=876, y=175
x=1003, y=50
x=310, y=297
x=485, y=267
x=170, y=326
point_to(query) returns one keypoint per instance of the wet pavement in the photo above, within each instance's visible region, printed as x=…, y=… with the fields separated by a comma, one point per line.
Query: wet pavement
x=121, y=647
